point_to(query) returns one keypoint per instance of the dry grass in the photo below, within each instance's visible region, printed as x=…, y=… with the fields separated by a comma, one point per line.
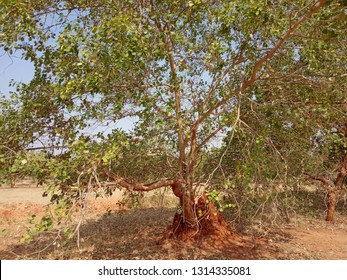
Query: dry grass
x=113, y=233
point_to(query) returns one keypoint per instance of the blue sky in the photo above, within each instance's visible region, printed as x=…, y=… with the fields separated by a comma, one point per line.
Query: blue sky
x=14, y=68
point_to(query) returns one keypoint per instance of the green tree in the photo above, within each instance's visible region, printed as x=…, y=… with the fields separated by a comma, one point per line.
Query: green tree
x=15, y=135
x=293, y=127
x=181, y=67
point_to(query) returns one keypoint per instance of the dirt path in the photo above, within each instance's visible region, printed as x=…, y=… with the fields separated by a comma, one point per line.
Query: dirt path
x=327, y=243
x=310, y=239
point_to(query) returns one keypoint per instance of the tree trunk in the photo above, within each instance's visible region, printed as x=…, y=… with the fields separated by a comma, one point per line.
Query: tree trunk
x=331, y=205
x=334, y=188
x=333, y=195
x=13, y=182
x=198, y=219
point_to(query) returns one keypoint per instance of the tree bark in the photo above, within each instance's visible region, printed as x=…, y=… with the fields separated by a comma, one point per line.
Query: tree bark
x=331, y=205
x=123, y=183
x=13, y=182
x=333, y=195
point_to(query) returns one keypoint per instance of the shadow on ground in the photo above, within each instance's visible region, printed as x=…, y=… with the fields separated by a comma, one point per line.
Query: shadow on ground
x=138, y=234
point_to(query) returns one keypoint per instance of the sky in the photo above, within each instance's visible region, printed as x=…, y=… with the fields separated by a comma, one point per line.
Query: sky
x=14, y=68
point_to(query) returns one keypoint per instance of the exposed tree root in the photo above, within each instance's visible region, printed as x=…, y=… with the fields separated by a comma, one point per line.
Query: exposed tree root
x=209, y=223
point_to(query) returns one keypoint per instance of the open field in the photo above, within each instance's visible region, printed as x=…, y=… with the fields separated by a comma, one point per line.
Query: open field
x=113, y=233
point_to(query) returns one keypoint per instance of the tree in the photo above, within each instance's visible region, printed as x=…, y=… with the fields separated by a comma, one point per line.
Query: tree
x=309, y=122
x=15, y=135
x=294, y=127
x=334, y=163
x=181, y=67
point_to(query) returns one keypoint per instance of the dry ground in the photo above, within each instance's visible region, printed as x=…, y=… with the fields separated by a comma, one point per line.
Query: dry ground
x=111, y=233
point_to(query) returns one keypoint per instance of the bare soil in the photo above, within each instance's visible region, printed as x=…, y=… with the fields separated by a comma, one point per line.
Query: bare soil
x=113, y=233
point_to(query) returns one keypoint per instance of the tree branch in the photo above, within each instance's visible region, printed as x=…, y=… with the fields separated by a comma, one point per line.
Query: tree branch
x=246, y=83
x=289, y=33
x=321, y=179
x=121, y=182
x=45, y=148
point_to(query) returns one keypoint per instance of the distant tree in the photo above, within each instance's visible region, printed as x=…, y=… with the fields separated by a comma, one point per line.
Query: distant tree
x=15, y=135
